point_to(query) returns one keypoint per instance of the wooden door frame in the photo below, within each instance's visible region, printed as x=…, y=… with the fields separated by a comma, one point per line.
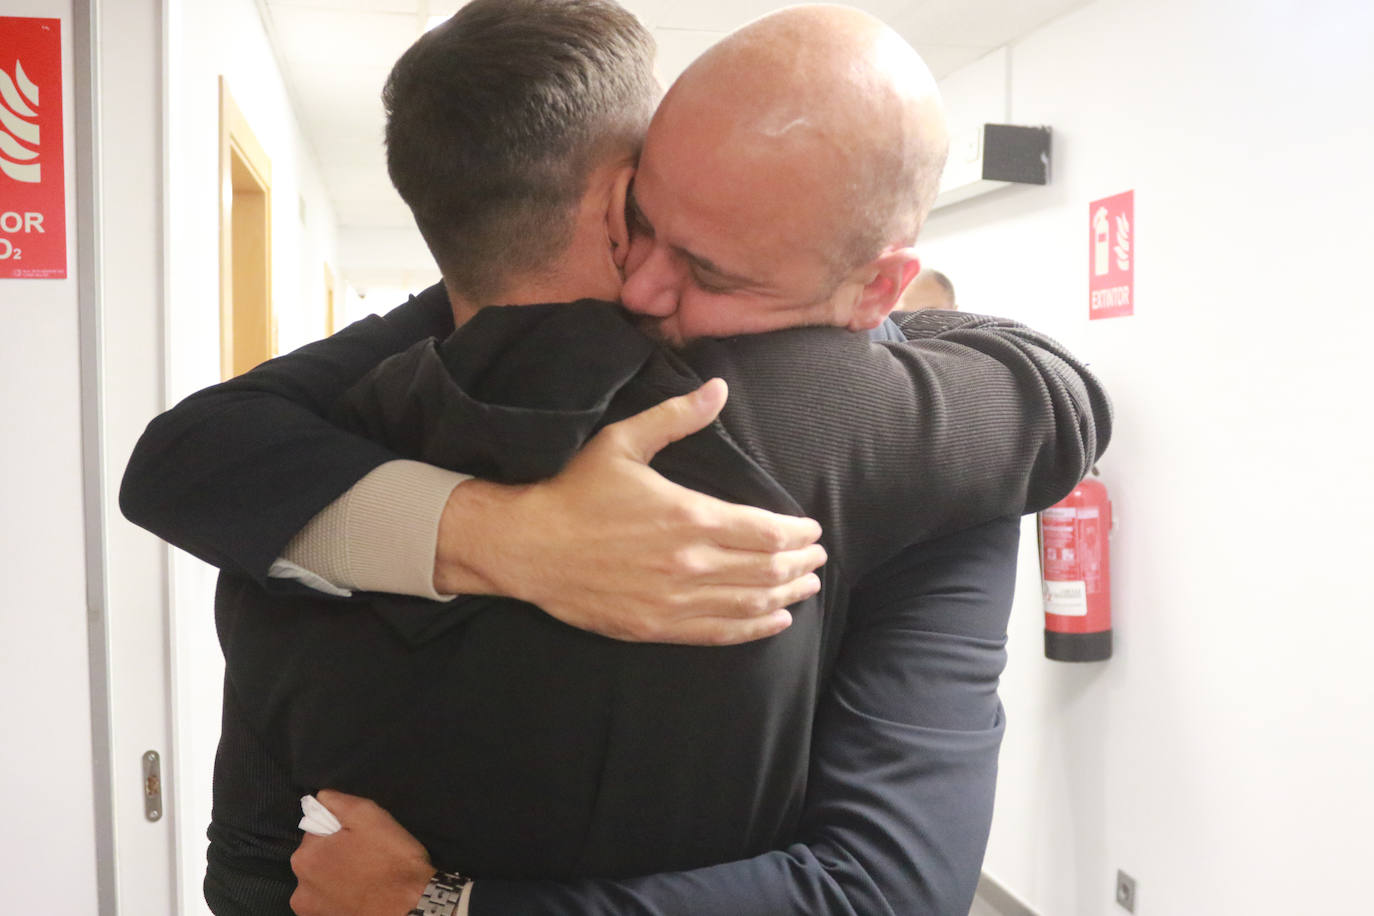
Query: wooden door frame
x=237, y=141
x=331, y=301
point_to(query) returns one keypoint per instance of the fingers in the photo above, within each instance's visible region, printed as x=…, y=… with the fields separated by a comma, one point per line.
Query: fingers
x=303, y=859
x=353, y=811
x=308, y=845
x=341, y=804
x=731, y=603
x=644, y=434
x=795, y=564
x=754, y=568
x=798, y=589
x=750, y=528
x=730, y=616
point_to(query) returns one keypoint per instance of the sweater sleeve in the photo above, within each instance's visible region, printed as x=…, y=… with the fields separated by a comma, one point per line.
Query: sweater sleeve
x=380, y=535
x=972, y=418
x=233, y=472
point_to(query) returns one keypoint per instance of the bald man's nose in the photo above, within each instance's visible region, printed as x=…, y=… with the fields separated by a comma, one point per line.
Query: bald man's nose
x=653, y=286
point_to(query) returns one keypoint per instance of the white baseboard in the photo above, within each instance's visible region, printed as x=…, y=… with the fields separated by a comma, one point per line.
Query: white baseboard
x=993, y=899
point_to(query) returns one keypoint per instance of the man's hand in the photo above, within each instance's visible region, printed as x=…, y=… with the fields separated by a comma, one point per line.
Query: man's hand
x=371, y=867
x=610, y=546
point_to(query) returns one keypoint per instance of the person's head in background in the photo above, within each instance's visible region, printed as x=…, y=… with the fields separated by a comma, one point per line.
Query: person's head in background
x=784, y=179
x=930, y=290
x=512, y=133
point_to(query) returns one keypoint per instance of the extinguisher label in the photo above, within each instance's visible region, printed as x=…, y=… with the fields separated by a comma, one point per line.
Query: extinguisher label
x=1058, y=530
x=1068, y=599
x=1065, y=590
x=1076, y=579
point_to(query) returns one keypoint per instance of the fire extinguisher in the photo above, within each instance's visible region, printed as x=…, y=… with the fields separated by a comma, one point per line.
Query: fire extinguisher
x=1075, y=574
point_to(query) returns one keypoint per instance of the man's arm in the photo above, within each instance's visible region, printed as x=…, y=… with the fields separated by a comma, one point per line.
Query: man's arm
x=903, y=769
x=234, y=472
x=973, y=418
x=665, y=563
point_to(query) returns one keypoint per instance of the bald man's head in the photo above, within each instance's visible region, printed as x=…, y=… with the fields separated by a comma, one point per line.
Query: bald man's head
x=784, y=178
x=835, y=97
x=930, y=290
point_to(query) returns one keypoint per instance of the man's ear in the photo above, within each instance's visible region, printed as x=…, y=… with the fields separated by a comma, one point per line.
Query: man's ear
x=617, y=225
x=883, y=281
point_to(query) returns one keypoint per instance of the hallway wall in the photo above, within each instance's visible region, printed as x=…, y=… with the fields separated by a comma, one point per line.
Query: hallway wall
x=1222, y=757
x=47, y=793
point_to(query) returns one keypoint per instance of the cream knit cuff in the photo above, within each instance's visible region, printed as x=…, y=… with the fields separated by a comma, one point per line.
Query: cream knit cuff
x=381, y=535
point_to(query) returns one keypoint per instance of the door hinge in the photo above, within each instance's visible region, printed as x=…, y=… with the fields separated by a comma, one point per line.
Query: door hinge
x=152, y=786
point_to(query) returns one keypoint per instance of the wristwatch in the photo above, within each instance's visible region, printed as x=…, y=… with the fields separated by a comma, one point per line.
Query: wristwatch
x=442, y=895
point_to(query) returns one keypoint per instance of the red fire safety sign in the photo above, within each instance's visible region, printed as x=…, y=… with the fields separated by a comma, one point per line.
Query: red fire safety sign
x=33, y=207
x=1111, y=256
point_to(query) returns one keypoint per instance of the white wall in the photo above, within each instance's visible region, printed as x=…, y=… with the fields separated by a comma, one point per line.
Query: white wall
x=46, y=775
x=385, y=257
x=204, y=41
x=1224, y=756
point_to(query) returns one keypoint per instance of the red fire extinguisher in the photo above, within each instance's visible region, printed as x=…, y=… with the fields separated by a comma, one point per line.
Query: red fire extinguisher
x=1075, y=574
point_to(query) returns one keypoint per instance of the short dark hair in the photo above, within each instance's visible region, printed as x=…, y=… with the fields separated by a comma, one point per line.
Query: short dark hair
x=495, y=120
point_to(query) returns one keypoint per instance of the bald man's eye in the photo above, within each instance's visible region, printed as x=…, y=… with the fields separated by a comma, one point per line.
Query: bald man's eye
x=639, y=226
x=706, y=286
x=636, y=221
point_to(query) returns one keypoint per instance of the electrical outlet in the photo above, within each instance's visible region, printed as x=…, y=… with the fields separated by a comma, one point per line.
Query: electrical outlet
x=1125, y=891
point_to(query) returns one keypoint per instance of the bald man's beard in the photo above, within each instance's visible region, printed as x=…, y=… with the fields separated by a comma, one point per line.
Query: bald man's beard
x=652, y=328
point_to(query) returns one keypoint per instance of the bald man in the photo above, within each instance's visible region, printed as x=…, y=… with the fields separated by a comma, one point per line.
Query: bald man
x=835, y=292
x=798, y=201
x=930, y=290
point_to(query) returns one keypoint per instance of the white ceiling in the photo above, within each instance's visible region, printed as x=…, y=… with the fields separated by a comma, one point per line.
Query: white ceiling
x=335, y=55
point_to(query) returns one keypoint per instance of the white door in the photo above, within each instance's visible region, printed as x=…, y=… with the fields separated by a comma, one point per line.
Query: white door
x=122, y=251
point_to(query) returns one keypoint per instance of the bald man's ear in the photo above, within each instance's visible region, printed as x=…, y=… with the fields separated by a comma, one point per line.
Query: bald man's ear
x=617, y=228
x=883, y=281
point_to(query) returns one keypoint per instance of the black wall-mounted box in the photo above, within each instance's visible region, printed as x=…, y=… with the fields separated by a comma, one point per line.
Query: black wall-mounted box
x=1014, y=153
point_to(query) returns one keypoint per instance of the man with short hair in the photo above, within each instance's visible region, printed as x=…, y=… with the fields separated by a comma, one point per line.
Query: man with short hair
x=687, y=568
x=859, y=295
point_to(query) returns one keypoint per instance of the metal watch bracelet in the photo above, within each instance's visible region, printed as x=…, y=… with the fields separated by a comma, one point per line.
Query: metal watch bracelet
x=442, y=895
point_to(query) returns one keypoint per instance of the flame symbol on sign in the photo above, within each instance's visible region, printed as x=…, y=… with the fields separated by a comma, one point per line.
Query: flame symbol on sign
x=1123, y=242
x=18, y=114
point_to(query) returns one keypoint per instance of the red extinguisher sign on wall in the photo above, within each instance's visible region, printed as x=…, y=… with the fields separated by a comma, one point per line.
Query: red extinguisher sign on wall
x=1075, y=574
x=33, y=189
